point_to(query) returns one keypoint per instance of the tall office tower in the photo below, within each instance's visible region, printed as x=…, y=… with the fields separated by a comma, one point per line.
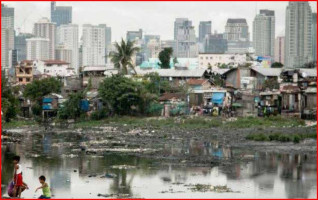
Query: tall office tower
x=314, y=36
x=215, y=44
x=205, y=28
x=134, y=35
x=20, y=45
x=93, y=49
x=61, y=14
x=298, y=34
x=186, y=41
x=38, y=49
x=67, y=41
x=46, y=29
x=151, y=45
x=264, y=33
x=108, y=38
x=237, y=35
x=177, y=23
x=280, y=49
x=7, y=35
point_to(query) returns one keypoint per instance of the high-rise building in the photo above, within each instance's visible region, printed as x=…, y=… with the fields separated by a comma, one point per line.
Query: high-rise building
x=13, y=58
x=108, y=38
x=237, y=35
x=205, y=28
x=67, y=41
x=61, y=14
x=298, y=34
x=93, y=41
x=215, y=44
x=38, y=49
x=314, y=36
x=177, y=23
x=7, y=35
x=264, y=33
x=46, y=29
x=20, y=45
x=134, y=35
x=280, y=49
x=169, y=44
x=186, y=46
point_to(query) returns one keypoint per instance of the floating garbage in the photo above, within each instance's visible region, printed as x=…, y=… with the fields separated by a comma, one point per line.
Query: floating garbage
x=210, y=188
x=123, y=167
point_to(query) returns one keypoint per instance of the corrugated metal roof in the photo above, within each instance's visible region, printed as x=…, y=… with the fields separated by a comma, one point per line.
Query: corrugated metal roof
x=95, y=68
x=309, y=72
x=268, y=71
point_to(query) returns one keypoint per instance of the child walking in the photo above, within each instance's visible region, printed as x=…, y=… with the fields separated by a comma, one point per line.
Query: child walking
x=45, y=188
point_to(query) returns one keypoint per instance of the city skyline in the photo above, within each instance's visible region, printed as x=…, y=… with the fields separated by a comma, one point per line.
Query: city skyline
x=130, y=16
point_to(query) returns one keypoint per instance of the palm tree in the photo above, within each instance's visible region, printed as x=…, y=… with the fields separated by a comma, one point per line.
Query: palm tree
x=122, y=57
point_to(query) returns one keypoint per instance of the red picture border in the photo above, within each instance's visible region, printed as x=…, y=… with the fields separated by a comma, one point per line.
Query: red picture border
x=140, y=0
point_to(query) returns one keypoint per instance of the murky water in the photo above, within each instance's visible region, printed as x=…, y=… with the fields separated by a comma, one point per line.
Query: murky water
x=267, y=175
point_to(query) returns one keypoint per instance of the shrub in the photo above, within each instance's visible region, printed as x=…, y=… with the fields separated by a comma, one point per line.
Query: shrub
x=283, y=138
x=296, y=139
x=99, y=114
x=273, y=137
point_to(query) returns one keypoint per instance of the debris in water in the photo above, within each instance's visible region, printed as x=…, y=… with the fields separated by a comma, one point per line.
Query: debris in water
x=210, y=188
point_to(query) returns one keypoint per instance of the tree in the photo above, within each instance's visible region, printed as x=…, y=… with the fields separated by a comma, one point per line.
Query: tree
x=277, y=65
x=122, y=57
x=9, y=103
x=164, y=57
x=71, y=109
x=311, y=64
x=120, y=94
x=175, y=61
x=39, y=88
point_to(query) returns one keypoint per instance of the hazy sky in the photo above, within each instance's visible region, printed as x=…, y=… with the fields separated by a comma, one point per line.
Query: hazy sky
x=152, y=17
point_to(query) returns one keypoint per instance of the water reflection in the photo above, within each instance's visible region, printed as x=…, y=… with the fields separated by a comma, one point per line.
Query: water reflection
x=267, y=175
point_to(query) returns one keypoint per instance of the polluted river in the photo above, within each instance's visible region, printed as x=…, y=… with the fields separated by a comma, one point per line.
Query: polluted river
x=130, y=162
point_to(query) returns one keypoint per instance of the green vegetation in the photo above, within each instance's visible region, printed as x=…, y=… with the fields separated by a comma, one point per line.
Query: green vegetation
x=40, y=88
x=272, y=121
x=9, y=103
x=122, y=57
x=71, y=109
x=271, y=84
x=164, y=57
x=296, y=138
x=18, y=124
x=277, y=65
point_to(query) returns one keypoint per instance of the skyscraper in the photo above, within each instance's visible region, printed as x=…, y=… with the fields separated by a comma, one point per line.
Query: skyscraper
x=38, y=49
x=67, y=39
x=108, y=38
x=61, y=14
x=20, y=45
x=298, y=34
x=93, y=45
x=264, y=33
x=215, y=44
x=237, y=35
x=314, y=36
x=205, y=28
x=186, y=46
x=46, y=29
x=134, y=35
x=177, y=23
x=7, y=35
x=280, y=49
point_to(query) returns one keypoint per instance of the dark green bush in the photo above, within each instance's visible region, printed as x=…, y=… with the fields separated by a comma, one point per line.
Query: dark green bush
x=296, y=139
x=99, y=114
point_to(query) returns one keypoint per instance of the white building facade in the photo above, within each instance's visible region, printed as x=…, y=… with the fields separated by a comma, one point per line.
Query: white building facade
x=68, y=41
x=54, y=68
x=93, y=45
x=216, y=60
x=45, y=29
x=298, y=34
x=37, y=49
x=264, y=33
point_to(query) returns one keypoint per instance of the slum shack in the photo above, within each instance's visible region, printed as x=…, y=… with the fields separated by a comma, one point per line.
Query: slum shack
x=291, y=100
x=244, y=104
x=269, y=103
x=173, y=104
x=310, y=107
x=50, y=105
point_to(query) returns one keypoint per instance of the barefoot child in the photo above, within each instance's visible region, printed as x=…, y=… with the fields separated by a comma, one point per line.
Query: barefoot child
x=19, y=185
x=45, y=188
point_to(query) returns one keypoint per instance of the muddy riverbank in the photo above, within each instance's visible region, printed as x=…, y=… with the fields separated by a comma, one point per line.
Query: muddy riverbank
x=145, y=160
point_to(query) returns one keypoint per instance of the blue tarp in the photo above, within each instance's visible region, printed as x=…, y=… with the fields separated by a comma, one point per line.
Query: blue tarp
x=47, y=100
x=218, y=97
x=84, y=105
x=47, y=107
